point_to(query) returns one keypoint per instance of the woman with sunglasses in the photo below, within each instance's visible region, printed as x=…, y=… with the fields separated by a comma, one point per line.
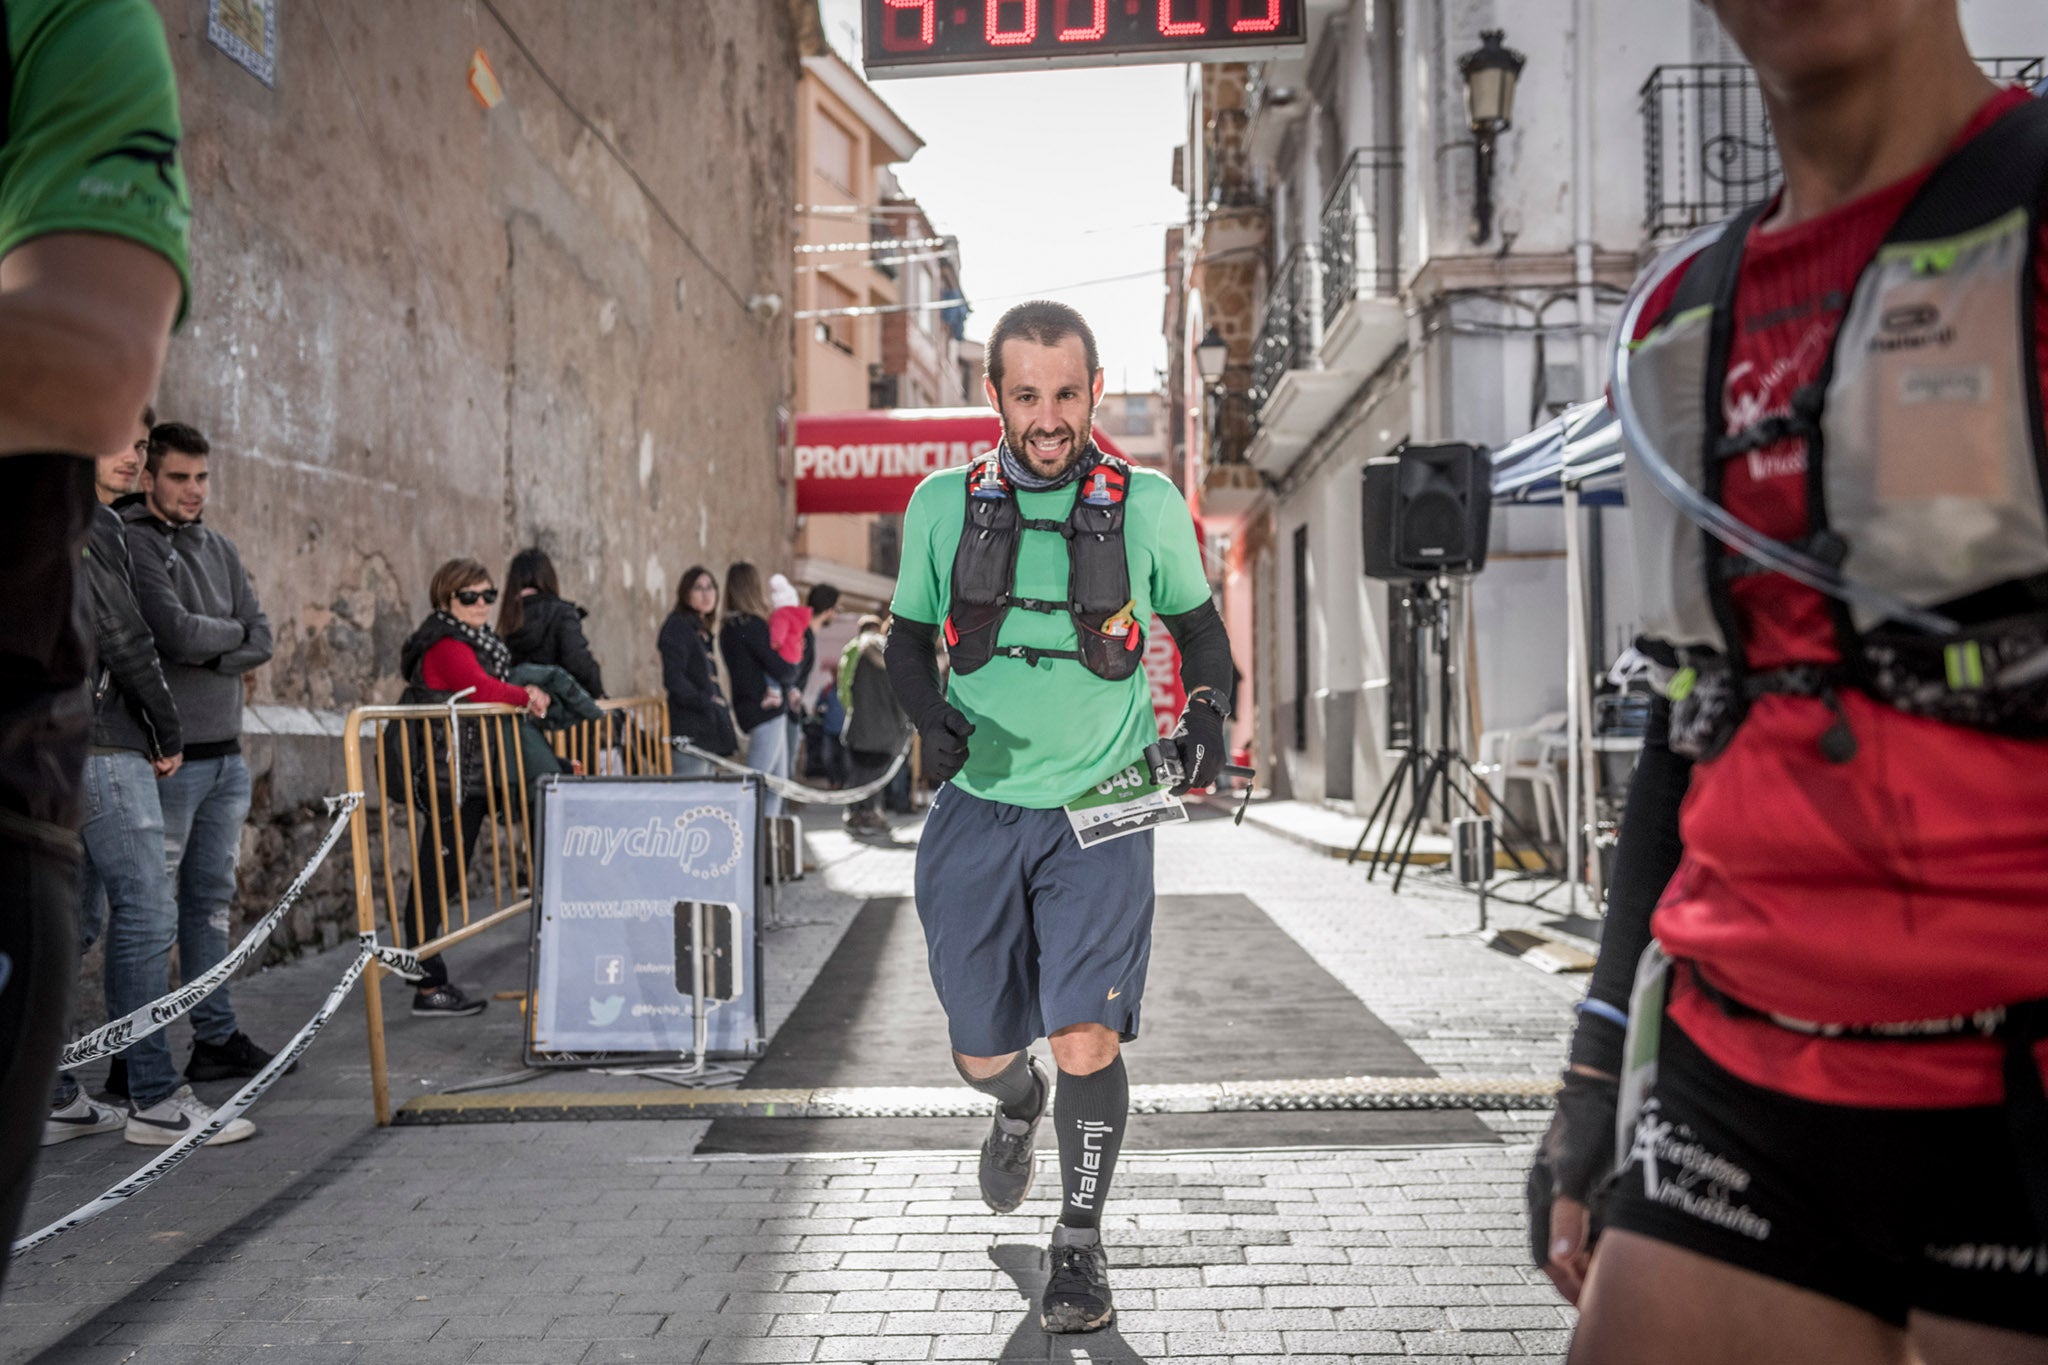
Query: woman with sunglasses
x=454, y=650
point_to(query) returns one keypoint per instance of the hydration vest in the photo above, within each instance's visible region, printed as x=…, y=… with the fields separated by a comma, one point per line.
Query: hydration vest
x=1926, y=462
x=1112, y=643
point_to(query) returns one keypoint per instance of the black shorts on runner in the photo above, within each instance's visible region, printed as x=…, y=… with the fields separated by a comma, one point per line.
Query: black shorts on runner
x=1028, y=932
x=1887, y=1210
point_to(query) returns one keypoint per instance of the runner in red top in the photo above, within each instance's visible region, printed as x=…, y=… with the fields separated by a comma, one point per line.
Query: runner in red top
x=1791, y=1197
x=1904, y=885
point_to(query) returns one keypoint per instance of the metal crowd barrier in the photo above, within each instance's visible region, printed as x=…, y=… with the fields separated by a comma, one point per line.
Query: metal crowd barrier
x=630, y=741
x=409, y=763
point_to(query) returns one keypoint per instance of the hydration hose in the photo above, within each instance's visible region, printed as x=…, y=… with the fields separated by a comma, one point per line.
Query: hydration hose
x=1709, y=516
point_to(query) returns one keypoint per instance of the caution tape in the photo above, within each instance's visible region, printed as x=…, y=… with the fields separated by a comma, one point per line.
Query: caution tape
x=397, y=959
x=796, y=791
x=131, y=1028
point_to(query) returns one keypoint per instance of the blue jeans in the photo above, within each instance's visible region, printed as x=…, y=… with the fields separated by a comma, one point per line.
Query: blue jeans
x=124, y=844
x=92, y=922
x=768, y=752
x=206, y=803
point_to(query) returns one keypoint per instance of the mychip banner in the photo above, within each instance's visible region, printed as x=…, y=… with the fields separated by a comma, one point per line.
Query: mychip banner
x=620, y=853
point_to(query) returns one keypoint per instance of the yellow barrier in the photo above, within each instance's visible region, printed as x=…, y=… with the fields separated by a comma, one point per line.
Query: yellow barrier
x=429, y=765
x=630, y=741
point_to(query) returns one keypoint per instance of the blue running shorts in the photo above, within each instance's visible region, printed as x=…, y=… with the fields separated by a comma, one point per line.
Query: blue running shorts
x=1028, y=932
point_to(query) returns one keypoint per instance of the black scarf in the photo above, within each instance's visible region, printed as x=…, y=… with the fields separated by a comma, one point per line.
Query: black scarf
x=491, y=652
x=1024, y=481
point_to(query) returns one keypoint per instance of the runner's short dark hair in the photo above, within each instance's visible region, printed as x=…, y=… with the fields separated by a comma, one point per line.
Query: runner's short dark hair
x=1045, y=322
x=186, y=440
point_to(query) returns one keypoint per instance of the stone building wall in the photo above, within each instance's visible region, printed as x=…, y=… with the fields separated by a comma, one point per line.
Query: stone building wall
x=421, y=328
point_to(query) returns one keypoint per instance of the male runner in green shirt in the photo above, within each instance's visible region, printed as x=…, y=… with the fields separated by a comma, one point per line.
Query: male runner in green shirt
x=1039, y=566
x=93, y=273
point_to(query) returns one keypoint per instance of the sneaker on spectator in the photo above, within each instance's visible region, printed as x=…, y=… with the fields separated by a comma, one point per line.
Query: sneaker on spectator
x=235, y=1058
x=80, y=1118
x=444, y=1002
x=169, y=1120
x=116, y=1087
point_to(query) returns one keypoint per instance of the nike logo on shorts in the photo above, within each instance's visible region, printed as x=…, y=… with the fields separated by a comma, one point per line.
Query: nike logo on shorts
x=1114, y=992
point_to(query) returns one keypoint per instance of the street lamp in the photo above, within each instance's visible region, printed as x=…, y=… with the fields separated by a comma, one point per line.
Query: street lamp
x=1212, y=362
x=1212, y=353
x=1490, y=72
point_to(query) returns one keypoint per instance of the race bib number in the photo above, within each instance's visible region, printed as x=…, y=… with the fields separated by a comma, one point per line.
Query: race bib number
x=1122, y=804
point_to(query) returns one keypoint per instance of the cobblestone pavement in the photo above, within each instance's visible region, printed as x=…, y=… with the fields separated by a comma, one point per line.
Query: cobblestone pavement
x=327, y=1239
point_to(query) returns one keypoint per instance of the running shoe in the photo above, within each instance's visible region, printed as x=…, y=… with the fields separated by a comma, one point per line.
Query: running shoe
x=1077, y=1290
x=239, y=1056
x=169, y=1120
x=80, y=1118
x=444, y=1002
x=1008, y=1152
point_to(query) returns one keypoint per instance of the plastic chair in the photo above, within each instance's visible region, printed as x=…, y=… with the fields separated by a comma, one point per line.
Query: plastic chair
x=1529, y=755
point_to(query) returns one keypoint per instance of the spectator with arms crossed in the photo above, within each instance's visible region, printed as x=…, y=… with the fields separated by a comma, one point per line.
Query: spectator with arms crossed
x=211, y=631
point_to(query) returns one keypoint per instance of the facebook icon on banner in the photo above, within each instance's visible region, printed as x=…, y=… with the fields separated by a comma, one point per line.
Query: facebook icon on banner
x=611, y=971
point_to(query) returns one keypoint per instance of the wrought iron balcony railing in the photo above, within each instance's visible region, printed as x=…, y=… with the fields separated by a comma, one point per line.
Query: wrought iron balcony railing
x=1291, y=330
x=1361, y=236
x=1707, y=148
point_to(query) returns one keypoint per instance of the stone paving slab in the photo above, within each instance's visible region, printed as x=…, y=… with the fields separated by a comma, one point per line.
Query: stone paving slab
x=326, y=1238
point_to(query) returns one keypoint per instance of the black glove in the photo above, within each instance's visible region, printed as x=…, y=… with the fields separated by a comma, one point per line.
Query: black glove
x=1575, y=1157
x=945, y=744
x=1200, y=741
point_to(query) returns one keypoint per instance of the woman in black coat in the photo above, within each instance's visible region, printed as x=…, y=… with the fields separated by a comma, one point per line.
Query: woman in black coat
x=541, y=628
x=697, y=709
x=760, y=676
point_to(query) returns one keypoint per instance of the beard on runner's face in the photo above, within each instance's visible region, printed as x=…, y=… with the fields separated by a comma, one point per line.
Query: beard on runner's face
x=1048, y=448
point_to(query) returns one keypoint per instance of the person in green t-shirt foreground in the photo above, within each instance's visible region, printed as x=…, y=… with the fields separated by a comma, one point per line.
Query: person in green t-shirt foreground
x=93, y=235
x=1038, y=566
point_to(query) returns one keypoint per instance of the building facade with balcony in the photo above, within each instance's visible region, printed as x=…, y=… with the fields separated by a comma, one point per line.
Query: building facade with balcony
x=869, y=267
x=1374, y=285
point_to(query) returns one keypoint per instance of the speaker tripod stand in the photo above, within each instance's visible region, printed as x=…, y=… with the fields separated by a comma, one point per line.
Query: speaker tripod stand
x=1434, y=771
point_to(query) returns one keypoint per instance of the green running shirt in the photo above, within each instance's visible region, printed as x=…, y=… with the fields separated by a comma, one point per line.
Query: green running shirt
x=1045, y=733
x=90, y=137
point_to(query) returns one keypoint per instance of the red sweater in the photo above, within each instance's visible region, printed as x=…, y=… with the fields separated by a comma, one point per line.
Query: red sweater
x=451, y=665
x=1905, y=884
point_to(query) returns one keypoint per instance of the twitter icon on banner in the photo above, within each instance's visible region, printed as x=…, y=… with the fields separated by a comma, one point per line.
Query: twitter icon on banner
x=605, y=1012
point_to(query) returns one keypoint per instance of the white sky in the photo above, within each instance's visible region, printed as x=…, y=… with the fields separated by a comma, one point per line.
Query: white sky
x=1049, y=179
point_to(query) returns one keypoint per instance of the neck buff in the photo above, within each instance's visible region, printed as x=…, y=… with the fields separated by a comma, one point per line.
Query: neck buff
x=1020, y=476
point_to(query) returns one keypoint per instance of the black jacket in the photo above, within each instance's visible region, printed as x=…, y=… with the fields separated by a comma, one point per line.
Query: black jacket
x=754, y=667
x=551, y=632
x=697, y=709
x=875, y=722
x=132, y=706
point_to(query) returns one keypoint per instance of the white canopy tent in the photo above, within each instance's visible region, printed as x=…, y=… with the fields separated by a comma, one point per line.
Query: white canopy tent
x=1573, y=460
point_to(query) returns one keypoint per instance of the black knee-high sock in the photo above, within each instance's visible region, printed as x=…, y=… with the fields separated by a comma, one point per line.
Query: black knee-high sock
x=1090, y=1121
x=1015, y=1089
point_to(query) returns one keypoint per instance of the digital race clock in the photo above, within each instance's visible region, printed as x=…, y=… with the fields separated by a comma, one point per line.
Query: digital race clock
x=919, y=37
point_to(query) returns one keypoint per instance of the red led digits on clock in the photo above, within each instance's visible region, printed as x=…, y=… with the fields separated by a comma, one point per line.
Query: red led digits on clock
x=1075, y=33
x=1240, y=22
x=893, y=37
x=1170, y=27
x=998, y=36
